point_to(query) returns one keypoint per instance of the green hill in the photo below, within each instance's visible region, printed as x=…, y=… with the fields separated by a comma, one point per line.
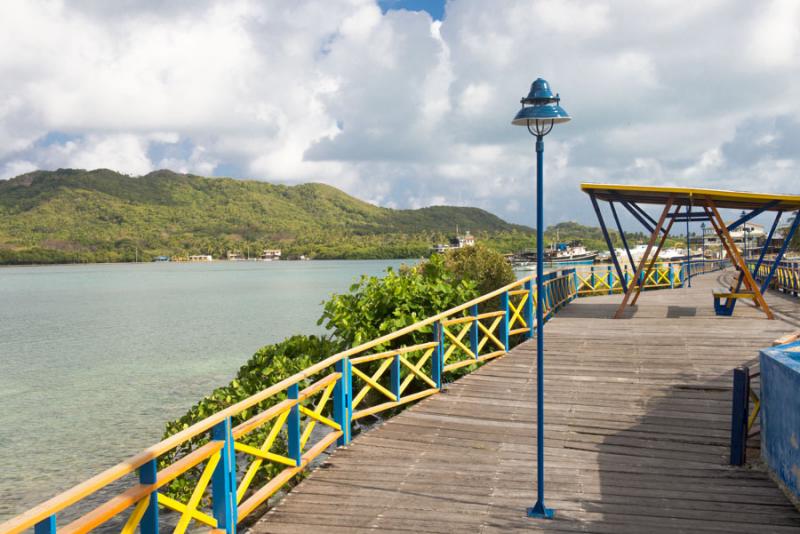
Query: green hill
x=73, y=215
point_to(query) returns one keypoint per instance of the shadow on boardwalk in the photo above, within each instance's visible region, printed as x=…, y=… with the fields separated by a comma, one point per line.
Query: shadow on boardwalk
x=637, y=419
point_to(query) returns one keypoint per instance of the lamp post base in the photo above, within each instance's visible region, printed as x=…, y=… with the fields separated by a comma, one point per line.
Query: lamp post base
x=539, y=511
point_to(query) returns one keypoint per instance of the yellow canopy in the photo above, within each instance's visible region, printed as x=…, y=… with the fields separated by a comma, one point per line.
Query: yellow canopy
x=647, y=194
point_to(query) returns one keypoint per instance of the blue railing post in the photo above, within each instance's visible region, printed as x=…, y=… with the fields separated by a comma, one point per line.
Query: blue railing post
x=529, y=309
x=671, y=276
x=223, y=481
x=474, y=332
x=293, y=426
x=438, y=354
x=610, y=281
x=342, y=399
x=46, y=526
x=395, y=377
x=148, y=474
x=575, y=280
x=741, y=401
x=504, y=322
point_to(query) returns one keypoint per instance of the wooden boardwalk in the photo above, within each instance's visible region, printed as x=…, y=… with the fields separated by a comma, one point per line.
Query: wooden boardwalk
x=637, y=417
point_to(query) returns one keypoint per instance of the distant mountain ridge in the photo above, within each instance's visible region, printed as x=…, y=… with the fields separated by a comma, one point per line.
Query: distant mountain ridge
x=101, y=215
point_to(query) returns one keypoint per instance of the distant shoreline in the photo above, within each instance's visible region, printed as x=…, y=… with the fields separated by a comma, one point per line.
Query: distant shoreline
x=12, y=265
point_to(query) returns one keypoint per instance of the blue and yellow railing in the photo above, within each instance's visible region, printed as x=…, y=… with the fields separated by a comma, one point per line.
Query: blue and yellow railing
x=380, y=375
x=786, y=277
x=603, y=280
x=374, y=377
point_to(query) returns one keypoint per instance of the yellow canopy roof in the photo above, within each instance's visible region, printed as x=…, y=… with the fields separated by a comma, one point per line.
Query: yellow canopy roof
x=646, y=194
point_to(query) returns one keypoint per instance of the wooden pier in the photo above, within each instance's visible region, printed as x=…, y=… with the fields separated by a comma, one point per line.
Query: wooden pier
x=637, y=417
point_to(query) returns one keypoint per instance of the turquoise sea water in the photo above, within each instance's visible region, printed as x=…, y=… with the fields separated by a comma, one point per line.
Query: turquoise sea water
x=95, y=358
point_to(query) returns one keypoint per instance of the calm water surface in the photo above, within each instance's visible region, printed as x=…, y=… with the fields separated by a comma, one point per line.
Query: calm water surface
x=95, y=358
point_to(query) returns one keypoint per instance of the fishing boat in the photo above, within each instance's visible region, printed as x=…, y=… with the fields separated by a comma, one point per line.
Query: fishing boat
x=558, y=253
x=574, y=253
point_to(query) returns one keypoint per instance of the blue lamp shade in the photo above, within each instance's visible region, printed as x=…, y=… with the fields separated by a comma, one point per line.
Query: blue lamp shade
x=540, y=107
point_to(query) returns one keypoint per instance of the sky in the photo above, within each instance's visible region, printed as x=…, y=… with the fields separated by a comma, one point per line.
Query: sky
x=407, y=103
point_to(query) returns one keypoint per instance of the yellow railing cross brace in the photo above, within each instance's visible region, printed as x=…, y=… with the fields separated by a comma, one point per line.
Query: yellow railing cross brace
x=255, y=464
x=180, y=507
x=323, y=400
x=136, y=516
x=456, y=342
x=263, y=455
x=189, y=509
x=418, y=366
x=490, y=335
x=417, y=372
x=375, y=377
x=321, y=418
x=517, y=312
x=603, y=280
x=756, y=409
x=373, y=383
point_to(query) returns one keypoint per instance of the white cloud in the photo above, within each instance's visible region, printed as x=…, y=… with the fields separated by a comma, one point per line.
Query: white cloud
x=775, y=39
x=401, y=110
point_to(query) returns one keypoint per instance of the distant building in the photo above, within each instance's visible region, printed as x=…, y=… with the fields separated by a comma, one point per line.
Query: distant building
x=271, y=254
x=161, y=258
x=459, y=241
x=201, y=257
x=749, y=236
x=233, y=255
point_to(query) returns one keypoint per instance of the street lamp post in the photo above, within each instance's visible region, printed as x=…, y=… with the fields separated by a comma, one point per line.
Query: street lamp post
x=745, y=235
x=540, y=112
x=703, y=243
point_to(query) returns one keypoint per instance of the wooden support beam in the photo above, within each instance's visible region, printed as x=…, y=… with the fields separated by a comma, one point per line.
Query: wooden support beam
x=655, y=256
x=749, y=282
x=643, y=261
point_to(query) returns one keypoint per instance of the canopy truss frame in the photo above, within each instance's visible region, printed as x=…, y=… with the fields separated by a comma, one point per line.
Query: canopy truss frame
x=678, y=199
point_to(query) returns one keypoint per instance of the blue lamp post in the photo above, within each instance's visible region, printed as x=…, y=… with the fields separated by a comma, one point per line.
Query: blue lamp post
x=540, y=112
x=703, y=243
x=745, y=235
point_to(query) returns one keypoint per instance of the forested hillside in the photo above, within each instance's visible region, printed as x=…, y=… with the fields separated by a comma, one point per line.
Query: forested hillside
x=95, y=216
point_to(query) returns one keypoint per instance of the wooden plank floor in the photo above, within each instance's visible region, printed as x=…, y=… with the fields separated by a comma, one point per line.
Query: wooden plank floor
x=637, y=416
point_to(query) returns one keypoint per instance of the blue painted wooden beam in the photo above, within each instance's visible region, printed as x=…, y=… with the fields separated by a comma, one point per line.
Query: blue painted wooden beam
x=755, y=213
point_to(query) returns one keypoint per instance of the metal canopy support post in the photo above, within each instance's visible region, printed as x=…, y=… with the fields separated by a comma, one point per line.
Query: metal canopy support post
x=610, y=245
x=779, y=257
x=640, y=268
x=622, y=235
x=644, y=214
x=638, y=217
x=766, y=246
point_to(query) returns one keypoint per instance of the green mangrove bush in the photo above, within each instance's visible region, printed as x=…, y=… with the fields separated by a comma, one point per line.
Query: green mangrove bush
x=373, y=307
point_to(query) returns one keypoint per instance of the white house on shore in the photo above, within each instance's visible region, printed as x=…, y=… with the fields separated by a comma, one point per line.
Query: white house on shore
x=459, y=241
x=271, y=254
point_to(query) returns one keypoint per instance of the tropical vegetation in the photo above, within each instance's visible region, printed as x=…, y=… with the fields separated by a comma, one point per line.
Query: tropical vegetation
x=73, y=215
x=372, y=307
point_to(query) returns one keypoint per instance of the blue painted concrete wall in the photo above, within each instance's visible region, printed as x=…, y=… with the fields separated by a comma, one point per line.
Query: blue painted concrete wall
x=780, y=412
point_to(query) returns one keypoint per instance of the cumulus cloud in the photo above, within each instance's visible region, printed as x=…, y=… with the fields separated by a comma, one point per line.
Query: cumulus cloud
x=402, y=110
